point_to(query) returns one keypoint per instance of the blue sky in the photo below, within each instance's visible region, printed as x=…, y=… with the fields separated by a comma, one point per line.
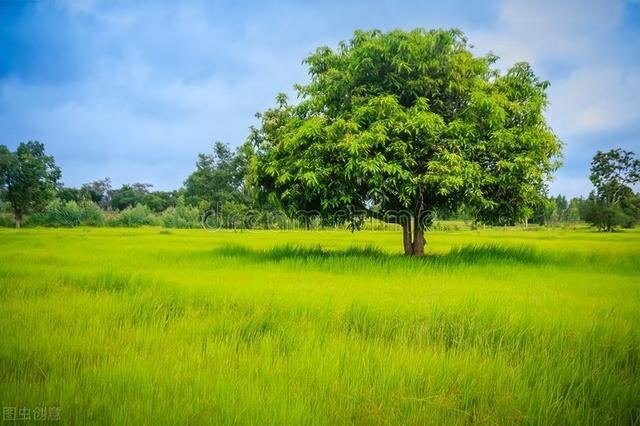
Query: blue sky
x=134, y=90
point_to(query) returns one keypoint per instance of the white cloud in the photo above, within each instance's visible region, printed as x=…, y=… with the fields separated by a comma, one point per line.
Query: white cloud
x=595, y=99
x=540, y=18
x=533, y=30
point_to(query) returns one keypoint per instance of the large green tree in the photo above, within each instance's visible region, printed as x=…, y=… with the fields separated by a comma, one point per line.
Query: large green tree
x=28, y=178
x=408, y=122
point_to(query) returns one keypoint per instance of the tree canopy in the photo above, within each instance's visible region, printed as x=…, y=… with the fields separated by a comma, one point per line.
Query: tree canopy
x=28, y=178
x=408, y=122
x=613, y=202
x=219, y=177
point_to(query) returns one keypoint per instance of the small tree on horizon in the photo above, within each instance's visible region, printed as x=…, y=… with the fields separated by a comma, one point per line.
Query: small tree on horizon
x=409, y=123
x=612, y=202
x=28, y=178
x=219, y=177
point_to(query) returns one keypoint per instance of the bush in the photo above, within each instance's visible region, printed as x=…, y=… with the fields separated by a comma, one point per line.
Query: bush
x=181, y=216
x=69, y=214
x=61, y=214
x=604, y=216
x=91, y=214
x=6, y=221
x=57, y=214
x=6, y=217
x=139, y=215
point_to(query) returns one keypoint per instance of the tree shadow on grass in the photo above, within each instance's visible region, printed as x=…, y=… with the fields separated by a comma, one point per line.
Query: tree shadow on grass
x=471, y=254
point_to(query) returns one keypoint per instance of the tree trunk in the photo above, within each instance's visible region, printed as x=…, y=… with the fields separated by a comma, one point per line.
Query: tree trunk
x=18, y=218
x=412, y=240
x=406, y=236
x=418, y=239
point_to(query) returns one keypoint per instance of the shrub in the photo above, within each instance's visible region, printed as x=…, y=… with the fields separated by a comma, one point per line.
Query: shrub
x=604, y=216
x=181, y=216
x=58, y=214
x=6, y=221
x=6, y=217
x=69, y=214
x=135, y=216
x=236, y=215
x=91, y=214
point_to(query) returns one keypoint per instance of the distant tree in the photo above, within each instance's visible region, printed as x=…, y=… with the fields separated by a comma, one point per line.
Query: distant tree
x=631, y=207
x=603, y=215
x=28, y=178
x=408, y=122
x=612, y=202
x=159, y=201
x=573, y=210
x=98, y=191
x=544, y=212
x=142, y=188
x=561, y=207
x=154, y=202
x=169, y=198
x=6, y=160
x=130, y=195
x=66, y=194
x=219, y=177
x=550, y=210
x=613, y=173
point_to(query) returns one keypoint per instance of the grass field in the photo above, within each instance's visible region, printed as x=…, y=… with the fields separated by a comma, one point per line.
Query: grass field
x=150, y=326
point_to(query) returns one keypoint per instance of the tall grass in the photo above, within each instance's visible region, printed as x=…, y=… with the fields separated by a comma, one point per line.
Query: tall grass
x=145, y=326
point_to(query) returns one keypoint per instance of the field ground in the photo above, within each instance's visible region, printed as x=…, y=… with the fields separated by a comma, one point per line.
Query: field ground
x=152, y=326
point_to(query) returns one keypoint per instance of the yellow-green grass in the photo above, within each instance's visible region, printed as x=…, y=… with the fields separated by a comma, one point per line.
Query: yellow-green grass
x=151, y=326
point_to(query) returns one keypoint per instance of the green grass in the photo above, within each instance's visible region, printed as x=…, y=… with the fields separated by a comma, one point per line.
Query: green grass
x=148, y=326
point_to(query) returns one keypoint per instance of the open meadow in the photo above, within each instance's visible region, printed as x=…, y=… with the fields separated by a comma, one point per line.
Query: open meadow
x=153, y=326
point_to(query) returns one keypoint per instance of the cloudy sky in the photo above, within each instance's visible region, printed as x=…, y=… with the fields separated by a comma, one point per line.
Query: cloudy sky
x=134, y=90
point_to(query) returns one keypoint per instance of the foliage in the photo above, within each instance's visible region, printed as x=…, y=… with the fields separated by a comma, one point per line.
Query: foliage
x=6, y=218
x=91, y=214
x=572, y=214
x=6, y=221
x=181, y=216
x=613, y=202
x=66, y=194
x=219, y=177
x=408, y=122
x=28, y=178
x=69, y=214
x=613, y=173
x=140, y=215
x=129, y=195
x=236, y=215
x=159, y=201
x=98, y=191
x=545, y=212
x=605, y=216
x=557, y=210
x=630, y=205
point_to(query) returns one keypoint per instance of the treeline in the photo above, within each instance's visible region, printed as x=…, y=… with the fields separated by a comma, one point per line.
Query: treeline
x=217, y=195
x=84, y=212
x=560, y=211
x=215, y=191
